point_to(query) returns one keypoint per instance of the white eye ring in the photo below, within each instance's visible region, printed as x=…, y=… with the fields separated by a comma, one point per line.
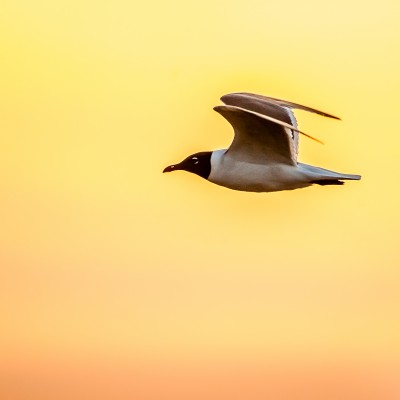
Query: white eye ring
x=196, y=162
x=194, y=158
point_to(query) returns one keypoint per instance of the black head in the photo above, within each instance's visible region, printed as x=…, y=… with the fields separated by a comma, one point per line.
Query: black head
x=199, y=164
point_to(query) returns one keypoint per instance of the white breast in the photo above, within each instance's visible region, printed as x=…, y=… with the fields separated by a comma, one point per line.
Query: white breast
x=237, y=175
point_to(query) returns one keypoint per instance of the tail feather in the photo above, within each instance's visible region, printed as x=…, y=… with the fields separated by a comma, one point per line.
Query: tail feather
x=321, y=176
x=324, y=182
x=336, y=180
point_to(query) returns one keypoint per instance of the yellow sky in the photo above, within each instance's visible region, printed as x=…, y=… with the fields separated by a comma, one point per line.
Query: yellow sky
x=102, y=256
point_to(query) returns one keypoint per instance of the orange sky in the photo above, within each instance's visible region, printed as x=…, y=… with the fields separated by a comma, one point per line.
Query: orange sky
x=108, y=263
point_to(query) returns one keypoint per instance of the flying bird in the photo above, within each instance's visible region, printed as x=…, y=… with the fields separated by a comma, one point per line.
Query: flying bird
x=263, y=153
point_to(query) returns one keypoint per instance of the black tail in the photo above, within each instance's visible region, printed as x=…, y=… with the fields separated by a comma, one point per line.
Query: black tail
x=324, y=182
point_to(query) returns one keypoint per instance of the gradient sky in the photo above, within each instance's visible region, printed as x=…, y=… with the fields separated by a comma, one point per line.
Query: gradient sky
x=117, y=276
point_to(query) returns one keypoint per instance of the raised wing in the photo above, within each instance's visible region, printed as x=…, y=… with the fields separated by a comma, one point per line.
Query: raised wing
x=265, y=106
x=259, y=138
x=240, y=99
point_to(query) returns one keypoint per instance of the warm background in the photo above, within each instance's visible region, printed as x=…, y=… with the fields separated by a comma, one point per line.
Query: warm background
x=119, y=282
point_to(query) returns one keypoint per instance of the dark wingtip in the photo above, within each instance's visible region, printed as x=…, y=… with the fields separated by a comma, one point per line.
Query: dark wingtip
x=330, y=116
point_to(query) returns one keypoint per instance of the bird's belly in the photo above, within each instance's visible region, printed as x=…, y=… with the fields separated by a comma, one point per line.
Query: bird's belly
x=259, y=178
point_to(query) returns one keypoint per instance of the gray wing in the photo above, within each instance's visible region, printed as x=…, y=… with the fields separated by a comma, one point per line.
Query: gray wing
x=260, y=102
x=266, y=106
x=259, y=138
x=276, y=108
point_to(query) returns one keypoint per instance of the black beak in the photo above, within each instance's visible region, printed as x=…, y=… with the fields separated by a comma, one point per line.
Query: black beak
x=170, y=168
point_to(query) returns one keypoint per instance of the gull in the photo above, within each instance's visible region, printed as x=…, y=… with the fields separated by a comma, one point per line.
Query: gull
x=263, y=154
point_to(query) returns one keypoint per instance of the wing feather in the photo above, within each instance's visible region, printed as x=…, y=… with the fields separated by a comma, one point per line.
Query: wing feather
x=258, y=138
x=232, y=97
x=273, y=108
